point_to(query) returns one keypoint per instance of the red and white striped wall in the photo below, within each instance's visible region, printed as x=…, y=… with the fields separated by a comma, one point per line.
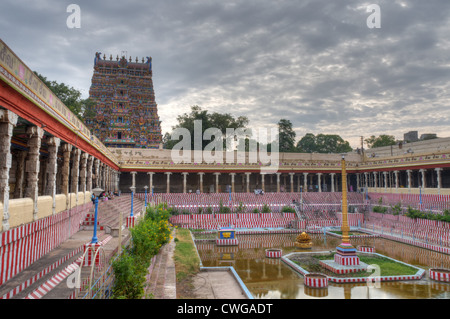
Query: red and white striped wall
x=346, y=260
x=227, y=242
x=314, y=280
x=274, y=253
x=23, y=245
x=439, y=274
x=366, y=249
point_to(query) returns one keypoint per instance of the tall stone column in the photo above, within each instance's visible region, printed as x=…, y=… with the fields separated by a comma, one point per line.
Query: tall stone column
x=319, y=182
x=185, y=174
x=305, y=182
x=278, y=182
x=52, y=167
x=168, y=181
x=67, y=149
x=439, y=178
x=90, y=162
x=83, y=174
x=263, y=186
x=150, y=182
x=292, y=181
x=375, y=175
x=20, y=174
x=232, y=181
x=332, y=182
x=248, y=182
x=201, y=181
x=366, y=182
x=96, y=173
x=298, y=183
x=396, y=179
x=424, y=181
x=75, y=174
x=32, y=165
x=358, y=181
x=133, y=179
x=408, y=172
x=217, y=181
x=8, y=121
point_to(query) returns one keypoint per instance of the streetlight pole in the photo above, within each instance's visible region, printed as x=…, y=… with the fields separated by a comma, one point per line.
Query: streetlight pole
x=97, y=191
x=145, y=198
x=132, y=188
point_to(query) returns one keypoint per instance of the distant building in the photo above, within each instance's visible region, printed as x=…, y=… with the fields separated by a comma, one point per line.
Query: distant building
x=411, y=136
x=126, y=114
x=428, y=136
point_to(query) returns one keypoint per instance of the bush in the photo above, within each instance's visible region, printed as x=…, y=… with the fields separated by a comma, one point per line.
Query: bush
x=147, y=237
x=265, y=209
x=288, y=209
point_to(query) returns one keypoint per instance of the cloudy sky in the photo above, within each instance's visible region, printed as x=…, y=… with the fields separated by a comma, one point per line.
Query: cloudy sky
x=314, y=62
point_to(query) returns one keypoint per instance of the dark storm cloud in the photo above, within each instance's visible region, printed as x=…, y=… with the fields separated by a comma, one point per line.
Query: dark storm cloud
x=313, y=62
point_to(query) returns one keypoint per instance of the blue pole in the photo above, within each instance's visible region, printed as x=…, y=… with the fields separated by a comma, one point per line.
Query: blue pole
x=145, y=197
x=132, y=195
x=94, y=237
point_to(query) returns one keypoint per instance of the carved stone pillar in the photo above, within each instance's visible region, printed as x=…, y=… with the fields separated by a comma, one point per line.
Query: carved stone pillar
x=305, y=182
x=439, y=178
x=32, y=165
x=319, y=182
x=75, y=174
x=332, y=182
x=278, y=182
x=201, y=181
x=133, y=179
x=292, y=181
x=248, y=182
x=20, y=174
x=90, y=162
x=185, y=174
x=168, y=181
x=263, y=175
x=232, y=181
x=52, y=167
x=83, y=172
x=67, y=149
x=8, y=121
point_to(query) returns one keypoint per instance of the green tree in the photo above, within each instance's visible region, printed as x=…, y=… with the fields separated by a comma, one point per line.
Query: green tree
x=323, y=143
x=71, y=97
x=286, y=136
x=382, y=140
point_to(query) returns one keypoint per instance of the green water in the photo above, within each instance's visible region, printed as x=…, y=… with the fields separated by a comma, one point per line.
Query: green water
x=272, y=278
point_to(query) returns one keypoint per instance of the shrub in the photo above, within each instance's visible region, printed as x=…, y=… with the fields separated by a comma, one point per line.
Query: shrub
x=265, y=209
x=288, y=209
x=147, y=237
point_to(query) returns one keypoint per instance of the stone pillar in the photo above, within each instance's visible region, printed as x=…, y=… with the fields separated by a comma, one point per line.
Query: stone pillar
x=408, y=172
x=396, y=179
x=232, y=181
x=366, y=182
x=358, y=182
x=305, y=182
x=319, y=182
x=150, y=182
x=32, y=165
x=20, y=174
x=96, y=173
x=90, y=163
x=248, y=182
x=201, y=181
x=83, y=173
x=332, y=182
x=217, y=181
x=278, y=182
x=8, y=121
x=298, y=183
x=75, y=173
x=52, y=167
x=292, y=181
x=133, y=179
x=385, y=181
x=263, y=187
x=67, y=149
x=423, y=171
x=168, y=181
x=184, y=181
x=375, y=180
x=439, y=178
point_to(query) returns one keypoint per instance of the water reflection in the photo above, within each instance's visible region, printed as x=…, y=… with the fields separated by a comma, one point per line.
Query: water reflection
x=271, y=278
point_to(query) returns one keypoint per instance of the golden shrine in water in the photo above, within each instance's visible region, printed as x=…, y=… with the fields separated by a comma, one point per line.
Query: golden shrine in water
x=303, y=241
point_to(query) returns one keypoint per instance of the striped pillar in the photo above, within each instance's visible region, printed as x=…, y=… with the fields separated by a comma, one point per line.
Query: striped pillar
x=52, y=167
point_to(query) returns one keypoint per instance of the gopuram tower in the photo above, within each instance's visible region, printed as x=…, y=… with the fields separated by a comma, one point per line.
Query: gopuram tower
x=125, y=114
